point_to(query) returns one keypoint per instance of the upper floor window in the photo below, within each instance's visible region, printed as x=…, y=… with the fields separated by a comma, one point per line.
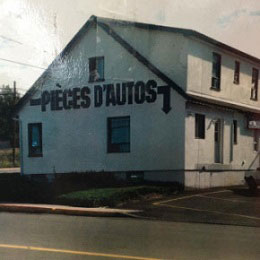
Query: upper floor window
x=199, y=126
x=118, y=134
x=35, y=139
x=254, y=88
x=236, y=72
x=96, y=69
x=216, y=71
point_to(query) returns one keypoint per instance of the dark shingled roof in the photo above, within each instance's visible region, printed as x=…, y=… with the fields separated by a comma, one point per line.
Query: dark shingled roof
x=104, y=24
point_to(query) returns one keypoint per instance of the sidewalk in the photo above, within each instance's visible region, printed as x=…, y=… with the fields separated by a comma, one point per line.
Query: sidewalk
x=67, y=210
x=10, y=170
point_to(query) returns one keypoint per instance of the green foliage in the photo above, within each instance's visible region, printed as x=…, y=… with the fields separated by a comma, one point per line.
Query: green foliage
x=6, y=158
x=68, y=189
x=110, y=196
x=6, y=109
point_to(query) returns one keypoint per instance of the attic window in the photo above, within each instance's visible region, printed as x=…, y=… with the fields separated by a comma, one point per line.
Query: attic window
x=96, y=69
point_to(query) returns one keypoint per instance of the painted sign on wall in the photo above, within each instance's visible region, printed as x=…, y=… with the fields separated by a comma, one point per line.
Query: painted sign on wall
x=118, y=94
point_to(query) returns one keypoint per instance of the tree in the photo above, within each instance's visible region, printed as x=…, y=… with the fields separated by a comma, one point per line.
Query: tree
x=7, y=103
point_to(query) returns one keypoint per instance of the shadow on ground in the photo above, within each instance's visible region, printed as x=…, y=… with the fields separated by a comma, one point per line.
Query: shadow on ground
x=246, y=192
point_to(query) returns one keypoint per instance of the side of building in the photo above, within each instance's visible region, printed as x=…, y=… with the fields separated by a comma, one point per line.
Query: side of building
x=135, y=98
x=125, y=120
x=219, y=140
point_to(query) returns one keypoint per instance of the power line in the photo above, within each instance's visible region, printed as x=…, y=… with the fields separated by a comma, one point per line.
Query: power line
x=23, y=64
x=22, y=88
x=17, y=88
x=11, y=40
x=15, y=41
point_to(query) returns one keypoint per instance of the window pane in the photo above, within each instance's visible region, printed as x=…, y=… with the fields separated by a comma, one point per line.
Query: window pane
x=124, y=148
x=92, y=64
x=199, y=126
x=215, y=70
x=256, y=140
x=119, y=134
x=100, y=68
x=254, y=89
x=119, y=122
x=236, y=73
x=235, y=131
x=96, y=69
x=217, y=131
x=216, y=65
x=35, y=139
x=35, y=136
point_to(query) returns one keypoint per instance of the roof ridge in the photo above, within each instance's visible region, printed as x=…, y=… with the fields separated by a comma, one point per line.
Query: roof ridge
x=187, y=32
x=96, y=19
x=141, y=58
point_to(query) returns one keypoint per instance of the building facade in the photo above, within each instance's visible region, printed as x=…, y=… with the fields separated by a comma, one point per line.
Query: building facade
x=131, y=98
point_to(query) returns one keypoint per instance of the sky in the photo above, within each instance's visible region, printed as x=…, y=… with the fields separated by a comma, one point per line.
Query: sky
x=33, y=32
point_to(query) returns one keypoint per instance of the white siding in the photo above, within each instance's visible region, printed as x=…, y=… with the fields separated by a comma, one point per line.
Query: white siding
x=163, y=145
x=76, y=140
x=201, y=151
x=166, y=50
x=200, y=71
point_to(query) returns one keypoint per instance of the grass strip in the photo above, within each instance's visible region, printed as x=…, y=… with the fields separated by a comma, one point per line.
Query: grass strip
x=109, y=196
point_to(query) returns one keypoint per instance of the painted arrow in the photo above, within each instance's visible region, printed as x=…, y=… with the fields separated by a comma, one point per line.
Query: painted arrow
x=166, y=91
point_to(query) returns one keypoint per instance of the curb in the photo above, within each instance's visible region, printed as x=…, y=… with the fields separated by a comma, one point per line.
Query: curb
x=67, y=210
x=15, y=170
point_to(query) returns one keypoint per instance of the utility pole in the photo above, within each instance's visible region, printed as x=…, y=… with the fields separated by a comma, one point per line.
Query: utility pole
x=55, y=34
x=14, y=125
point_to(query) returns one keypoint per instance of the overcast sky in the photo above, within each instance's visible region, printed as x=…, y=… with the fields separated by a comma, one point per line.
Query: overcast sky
x=33, y=31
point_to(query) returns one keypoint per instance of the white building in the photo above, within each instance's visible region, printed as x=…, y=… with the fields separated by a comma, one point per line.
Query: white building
x=125, y=97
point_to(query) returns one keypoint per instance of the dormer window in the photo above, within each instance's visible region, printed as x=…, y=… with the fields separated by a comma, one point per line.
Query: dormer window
x=96, y=69
x=216, y=71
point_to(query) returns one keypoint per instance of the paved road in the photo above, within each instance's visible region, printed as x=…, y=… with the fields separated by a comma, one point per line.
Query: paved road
x=31, y=236
x=234, y=206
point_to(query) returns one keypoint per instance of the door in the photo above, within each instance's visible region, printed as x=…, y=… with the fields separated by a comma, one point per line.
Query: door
x=218, y=136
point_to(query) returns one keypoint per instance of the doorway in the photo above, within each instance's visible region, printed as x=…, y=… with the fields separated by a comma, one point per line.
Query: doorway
x=218, y=138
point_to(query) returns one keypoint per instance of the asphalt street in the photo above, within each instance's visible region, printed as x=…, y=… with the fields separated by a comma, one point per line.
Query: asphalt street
x=43, y=236
x=234, y=206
